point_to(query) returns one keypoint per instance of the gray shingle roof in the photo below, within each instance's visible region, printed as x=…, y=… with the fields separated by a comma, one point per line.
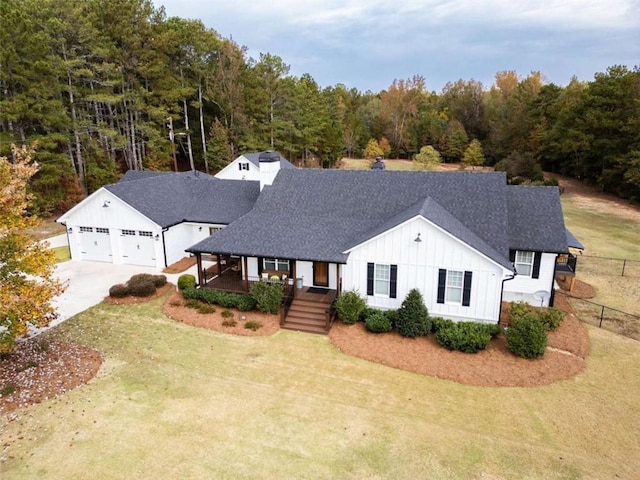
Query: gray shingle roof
x=319, y=214
x=573, y=242
x=254, y=158
x=171, y=198
x=535, y=219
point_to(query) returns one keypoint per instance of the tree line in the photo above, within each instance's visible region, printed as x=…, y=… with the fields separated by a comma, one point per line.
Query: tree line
x=108, y=85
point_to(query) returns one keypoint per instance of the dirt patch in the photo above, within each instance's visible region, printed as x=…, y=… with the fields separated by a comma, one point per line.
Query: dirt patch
x=135, y=300
x=181, y=265
x=493, y=367
x=39, y=369
x=174, y=308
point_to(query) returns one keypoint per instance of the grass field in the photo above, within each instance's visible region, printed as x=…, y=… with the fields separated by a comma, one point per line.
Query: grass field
x=174, y=401
x=365, y=164
x=62, y=253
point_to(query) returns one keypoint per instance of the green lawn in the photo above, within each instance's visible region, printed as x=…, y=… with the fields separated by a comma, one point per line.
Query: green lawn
x=62, y=253
x=365, y=164
x=174, y=401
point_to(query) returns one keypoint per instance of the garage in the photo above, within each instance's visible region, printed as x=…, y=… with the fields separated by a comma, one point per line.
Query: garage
x=95, y=244
x=138, y=248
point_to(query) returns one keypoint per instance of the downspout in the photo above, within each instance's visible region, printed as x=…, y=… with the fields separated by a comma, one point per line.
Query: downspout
x=553, y=281
x=164, y=246
x=502, y=291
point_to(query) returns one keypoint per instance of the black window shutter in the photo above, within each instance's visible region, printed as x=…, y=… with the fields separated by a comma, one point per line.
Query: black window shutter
x=536, y=265
x=512, y=255
x=393, y=284
x=239, y=166
x=466, y=289
x=370, y=270
x=442, y=282
x=260, y=263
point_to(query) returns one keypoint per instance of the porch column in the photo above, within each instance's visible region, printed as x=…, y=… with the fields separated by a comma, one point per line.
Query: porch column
x=245, y=263
x=199, y=262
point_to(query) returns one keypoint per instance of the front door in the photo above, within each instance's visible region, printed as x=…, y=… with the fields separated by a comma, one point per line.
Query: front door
x=321, y=274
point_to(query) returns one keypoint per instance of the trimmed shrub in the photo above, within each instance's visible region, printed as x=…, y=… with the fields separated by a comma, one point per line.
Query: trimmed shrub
x=192, y=303
x=467, y=337
x=493, y=329
x=245, y=303
x=186, y=280
x=518, y=310
x=268, y=296
x=367, y=312
x=159, y=280
x=205, y=308
x=229, y=323
x=119, y=290
x=141, y=278
x=413, y=316
x=141, y=288
x=438, y=323
x=227, y=314
x=550, y=317
x=349, y=306
x=392, y=316
x=527, y=337
x=378, y=322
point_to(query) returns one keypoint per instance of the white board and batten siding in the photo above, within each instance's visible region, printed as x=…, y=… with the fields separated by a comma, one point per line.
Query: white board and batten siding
x=115, y=233
x=238, y=170
x=304, y=270
x=418, y=266
x=180, y=237
x=524, y=288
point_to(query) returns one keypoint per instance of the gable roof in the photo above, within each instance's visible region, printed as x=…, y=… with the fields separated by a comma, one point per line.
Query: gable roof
x=573, y=242
x=171, y=198
x=319, y=214
x=255, y=156
x=535, y=219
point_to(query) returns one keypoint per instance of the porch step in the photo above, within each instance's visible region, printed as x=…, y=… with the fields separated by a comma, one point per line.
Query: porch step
x=306, y=316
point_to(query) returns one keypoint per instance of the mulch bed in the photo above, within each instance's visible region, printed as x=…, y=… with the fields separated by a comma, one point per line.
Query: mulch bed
x=40, y=369
x=181, y=265
x=174, y=308
x=493, y=367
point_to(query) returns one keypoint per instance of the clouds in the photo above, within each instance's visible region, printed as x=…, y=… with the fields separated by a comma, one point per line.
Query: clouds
x=366, y=44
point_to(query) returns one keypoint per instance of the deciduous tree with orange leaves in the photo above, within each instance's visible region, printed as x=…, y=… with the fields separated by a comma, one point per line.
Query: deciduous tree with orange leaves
x=27, y=284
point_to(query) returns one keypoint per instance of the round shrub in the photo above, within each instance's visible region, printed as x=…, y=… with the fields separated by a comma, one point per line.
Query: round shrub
x=392, y=316
x=378, y=323
x=159, y=280
x=349, y=306
x=527, y=337
x=467, y=337
x=186, y=280
x=413, y=316
x=245, y=303
x=268, y=296
x=119, y=290
x=551, y=318
x=142, y=288
x=367, y=312
x=438, y=323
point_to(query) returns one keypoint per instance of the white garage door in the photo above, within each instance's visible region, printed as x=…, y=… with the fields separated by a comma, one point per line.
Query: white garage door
x=95, y=244
x=138, y=248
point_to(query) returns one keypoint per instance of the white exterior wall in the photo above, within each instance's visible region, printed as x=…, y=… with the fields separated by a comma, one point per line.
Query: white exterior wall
x=522, y=288
x=182, y=236
x=304, y=270
x=117, y=216
x=418, y=265
x=233, y=172
x=268, y=172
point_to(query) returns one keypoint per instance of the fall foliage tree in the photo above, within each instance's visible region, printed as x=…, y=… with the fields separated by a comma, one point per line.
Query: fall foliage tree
x=26, y=266
x=473, y=155
x=373, y=150
x=428, y=158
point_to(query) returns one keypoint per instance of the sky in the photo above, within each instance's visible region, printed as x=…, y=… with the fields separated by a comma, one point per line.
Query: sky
x=367, y=44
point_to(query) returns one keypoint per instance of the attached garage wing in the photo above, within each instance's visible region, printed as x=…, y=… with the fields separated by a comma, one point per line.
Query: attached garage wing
x=95, y=244
x=138, y=248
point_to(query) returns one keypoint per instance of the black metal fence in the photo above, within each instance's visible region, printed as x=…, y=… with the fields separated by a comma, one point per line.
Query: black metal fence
x=617, y=321
x=623, y=267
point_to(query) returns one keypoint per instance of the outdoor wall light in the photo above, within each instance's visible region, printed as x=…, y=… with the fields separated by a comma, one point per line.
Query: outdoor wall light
x=199, y=229
x=70, y=230
x=157, y=237
x=417, y=239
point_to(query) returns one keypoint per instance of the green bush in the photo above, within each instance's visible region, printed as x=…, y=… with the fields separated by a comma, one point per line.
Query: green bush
x=192, y=303
x=349, y=306
x=119, y=290
x=159, y=280
x=518, y=310
x=367, y=312
x=268, y=296
x=229, y=323
x=392, y=316
x=245, y=303
x=140, y=278
x=551, y=318
x=252, y=325
x=378, y=322
x=467, y=337
x=205, y=308
x=227, y=314
x=141, y=288
x=186, y=280
x=413, y=316
x=526, y=337
x=438, y=323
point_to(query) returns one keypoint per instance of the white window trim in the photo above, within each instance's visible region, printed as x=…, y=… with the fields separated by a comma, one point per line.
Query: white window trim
x=519, y=261
x=448, y=288
x=377, y=279
x=277, y=263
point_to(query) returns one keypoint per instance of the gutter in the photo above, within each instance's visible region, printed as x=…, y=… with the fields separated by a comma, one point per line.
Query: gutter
x=164, y=246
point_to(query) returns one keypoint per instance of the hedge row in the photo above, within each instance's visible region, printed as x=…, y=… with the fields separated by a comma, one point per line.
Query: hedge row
x=139, y=285
x=242, y=301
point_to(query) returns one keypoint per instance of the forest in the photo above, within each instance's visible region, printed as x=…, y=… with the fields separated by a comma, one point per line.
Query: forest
x=103, y=86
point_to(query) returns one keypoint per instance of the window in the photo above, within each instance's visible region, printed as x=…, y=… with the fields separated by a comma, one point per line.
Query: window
x=102, y=230
x=145, y=234
x=382, y=278
x=86, y=229
x=454, y=287
x=128, y=232
x=453, y=293
x=524, y=263
x=243, y=165
x=213, y=230
x=276, y=264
